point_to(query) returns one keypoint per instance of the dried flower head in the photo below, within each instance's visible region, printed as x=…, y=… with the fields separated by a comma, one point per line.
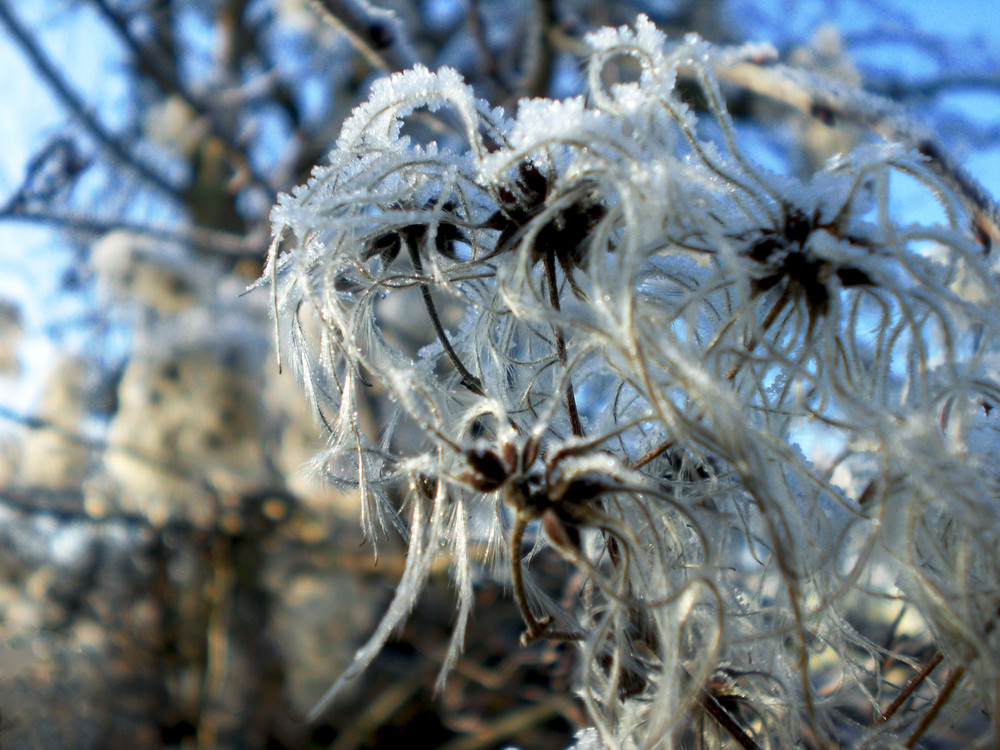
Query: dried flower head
x=601, y=326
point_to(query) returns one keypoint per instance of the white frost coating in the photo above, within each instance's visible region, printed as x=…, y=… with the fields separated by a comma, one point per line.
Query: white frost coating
x=376, y=123
x=647, y=45
x=541, y=121
x=587, y=739
x=646, y=40
x=608, y=334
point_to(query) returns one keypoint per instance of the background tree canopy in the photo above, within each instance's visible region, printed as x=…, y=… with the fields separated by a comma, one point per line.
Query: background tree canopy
x=177, y=568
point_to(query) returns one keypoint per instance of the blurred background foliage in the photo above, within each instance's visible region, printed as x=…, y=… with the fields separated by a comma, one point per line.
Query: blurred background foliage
x=170, y=573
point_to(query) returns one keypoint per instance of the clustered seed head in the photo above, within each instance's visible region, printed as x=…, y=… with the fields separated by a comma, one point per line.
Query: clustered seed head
x=746, y=407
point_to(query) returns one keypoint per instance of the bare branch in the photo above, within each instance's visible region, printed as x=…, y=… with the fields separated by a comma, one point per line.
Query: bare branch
x=153, y=63
x=211, y=241
x=64, y=92
x=830, y=100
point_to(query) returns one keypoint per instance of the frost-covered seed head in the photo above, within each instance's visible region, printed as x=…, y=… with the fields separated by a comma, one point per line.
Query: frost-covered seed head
x=756, y=419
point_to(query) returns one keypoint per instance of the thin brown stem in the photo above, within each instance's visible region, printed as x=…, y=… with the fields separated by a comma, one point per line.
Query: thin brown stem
x=946, y=690
x=725, y=720
x=469, y=380
x=550, y=278
x=533, y=628
x=913, y=683
x=772, y=315
x=657, y=451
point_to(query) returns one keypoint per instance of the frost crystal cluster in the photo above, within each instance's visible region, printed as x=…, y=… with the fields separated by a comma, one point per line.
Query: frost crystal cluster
x=752, y=413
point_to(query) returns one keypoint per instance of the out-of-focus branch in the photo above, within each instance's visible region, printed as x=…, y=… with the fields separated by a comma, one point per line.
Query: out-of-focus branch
x=923, y=88
x=152, y=62
x=67, y=505
x=50, y=172
x=371, y=56
x=830, y=100
x=538, y=55
x=61, y=88
x=505, y=726
x=210, y=241
x=387, y=50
